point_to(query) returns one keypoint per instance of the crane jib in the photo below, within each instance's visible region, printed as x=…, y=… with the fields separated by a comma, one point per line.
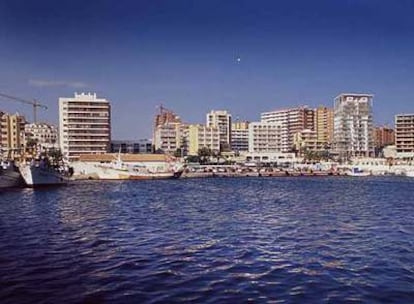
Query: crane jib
x=34, y=103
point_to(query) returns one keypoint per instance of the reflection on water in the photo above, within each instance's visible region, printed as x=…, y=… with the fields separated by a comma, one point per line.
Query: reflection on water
x=215, y=240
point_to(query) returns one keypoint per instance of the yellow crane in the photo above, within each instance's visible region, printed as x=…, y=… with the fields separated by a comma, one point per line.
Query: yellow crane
x=33, y=102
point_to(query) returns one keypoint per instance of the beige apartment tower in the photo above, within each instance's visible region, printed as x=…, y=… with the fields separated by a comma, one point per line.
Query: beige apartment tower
x=12, y=139
x=222, y=120
x=168, y=137
x=265, y=137
x=84, y=125
x=324, y=125
x=404, y=135
x=201, y=136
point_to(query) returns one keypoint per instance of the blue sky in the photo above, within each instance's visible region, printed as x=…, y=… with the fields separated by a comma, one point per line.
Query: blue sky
x=139, y=54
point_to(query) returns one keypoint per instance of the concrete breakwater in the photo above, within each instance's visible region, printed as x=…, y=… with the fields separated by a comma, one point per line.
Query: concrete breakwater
x=235, y=171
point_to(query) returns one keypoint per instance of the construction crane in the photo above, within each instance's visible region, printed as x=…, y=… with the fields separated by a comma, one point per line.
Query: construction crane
x=33, y=102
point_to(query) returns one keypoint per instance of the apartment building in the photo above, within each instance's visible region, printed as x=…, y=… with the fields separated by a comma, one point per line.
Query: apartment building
x=84, y=125
x=168, y=137
x=44, y=135
x=222, y=120
x=12, y=137
x=324, y=125
x=201, y=136
x=307, y=140
x=240, y=136
x=404, y=135
x=383, y=136
x=353, y=125
x=291, y=121
x=265, y=137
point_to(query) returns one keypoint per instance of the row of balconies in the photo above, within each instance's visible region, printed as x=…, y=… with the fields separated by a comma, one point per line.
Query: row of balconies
x=85, y=145
x=88, y=120
x=89, y=116
x=87, y=133
x=93, y=137
x=85, y=126
x=85, y=103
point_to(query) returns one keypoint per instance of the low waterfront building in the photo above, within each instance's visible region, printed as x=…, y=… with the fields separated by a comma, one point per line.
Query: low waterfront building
x=271, y=157
x=265, y=137
x=390, y=152
x=84, y=125
x=404, y=136
x=131, y=146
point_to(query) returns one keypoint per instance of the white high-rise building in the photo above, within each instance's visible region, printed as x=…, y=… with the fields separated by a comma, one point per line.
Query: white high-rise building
x=265, y=137
x=84, y=125
x=222, y=121
x=353, y=125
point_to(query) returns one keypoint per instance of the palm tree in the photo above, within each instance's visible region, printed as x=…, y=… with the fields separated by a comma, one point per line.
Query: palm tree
x=204, y=153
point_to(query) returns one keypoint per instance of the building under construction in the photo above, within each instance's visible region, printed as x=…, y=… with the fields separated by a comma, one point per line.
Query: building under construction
x=353, y=126
x=166, y=133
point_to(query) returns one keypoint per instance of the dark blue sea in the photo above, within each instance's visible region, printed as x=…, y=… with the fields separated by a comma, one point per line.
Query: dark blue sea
x=219, y=240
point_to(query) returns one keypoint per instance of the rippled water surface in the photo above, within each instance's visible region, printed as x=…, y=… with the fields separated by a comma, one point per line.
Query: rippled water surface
x=277, y=240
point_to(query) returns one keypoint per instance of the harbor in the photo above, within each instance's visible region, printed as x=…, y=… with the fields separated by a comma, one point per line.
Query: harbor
x=206, y=152
x=157, y=167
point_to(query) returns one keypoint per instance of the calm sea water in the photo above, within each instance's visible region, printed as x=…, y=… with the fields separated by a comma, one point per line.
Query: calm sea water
x=276, y=240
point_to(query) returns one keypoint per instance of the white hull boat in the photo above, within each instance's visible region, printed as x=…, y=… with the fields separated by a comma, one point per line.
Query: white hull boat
x=113, y=173
x=41, y=176
x=118, y=170
x=409, y=173
x=357, y=172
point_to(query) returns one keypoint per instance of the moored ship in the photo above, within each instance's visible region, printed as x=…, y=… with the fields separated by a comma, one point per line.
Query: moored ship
x=35, y=175
x=10, y=176
x=124, y=166
x=118, y=170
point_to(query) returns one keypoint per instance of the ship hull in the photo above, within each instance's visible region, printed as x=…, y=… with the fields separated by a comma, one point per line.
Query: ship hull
x=107, y=173
x=37, y=176
x=10, y=178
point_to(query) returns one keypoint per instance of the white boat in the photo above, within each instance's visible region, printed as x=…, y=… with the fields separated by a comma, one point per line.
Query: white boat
x=10, y=176
x=35, y=175
x=409, y=173
x=119, y=170
x=355, y=171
